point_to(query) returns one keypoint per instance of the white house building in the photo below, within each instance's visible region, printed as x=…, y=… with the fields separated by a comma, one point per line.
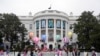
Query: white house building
x=52, y=25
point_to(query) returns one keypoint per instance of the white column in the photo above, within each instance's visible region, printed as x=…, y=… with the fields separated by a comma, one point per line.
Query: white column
x=46, y=30
x=61, y=30
x=39, y=28
x=34, y=26
x=54, y=30
x=62, y=33
x=66, y=29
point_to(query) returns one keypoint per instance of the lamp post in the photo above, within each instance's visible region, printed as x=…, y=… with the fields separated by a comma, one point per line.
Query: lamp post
x=70, y=35
x=70, y=43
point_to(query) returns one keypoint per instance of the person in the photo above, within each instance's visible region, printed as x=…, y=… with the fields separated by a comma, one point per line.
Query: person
x=7, y=51
x=28, y=52
x=93, y=53
x=66, y=50
x=19, y=54
x=25, y=53
x=1, y=53
x=39, y=53
x=45, y=48
x=59, y=52
x=78, y=52
x=31, y=54
x=74, y=52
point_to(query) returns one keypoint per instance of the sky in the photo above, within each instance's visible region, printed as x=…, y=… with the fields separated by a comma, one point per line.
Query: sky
x=23, y=7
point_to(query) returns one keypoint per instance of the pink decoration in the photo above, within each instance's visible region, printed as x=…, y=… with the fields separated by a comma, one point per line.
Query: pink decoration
x=31, y=34
x=36, y=40
x=66, y=40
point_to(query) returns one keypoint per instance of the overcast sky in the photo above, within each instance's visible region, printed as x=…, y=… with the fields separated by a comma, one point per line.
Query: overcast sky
x=23, y=7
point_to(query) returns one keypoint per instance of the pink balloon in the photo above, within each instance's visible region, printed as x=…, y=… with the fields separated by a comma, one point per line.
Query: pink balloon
x=66, y=39
x=36, y=40
x=31, y=34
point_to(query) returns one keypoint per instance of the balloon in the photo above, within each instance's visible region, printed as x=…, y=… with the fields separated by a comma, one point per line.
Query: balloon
x=44, y=37
x=31, y=35
x=36, y=40
x=66, y=40
x=58, y=37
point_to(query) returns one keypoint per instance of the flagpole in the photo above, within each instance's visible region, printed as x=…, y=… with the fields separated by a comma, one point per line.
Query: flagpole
x=49, y=7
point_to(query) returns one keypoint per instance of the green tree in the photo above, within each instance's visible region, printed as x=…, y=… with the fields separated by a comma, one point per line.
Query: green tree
x=87, y=29
x=1, y=27
x=11, y=26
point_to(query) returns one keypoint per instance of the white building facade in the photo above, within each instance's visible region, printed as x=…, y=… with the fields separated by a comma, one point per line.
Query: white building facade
x=51, y=24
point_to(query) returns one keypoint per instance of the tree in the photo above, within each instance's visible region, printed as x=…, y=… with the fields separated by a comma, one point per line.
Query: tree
x=10, y=26
x=1, y=33
x=87, y=29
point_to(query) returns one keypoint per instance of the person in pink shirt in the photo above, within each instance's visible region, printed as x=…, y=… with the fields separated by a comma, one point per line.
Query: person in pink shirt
x=45, y=48
x=1, y=53
x=59, y=52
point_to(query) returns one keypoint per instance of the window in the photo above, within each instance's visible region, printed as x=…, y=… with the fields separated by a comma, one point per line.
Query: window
x=43, y=23
x=64, y=24
x=63, y=33
x=58, y=23
x=30, y=26
x=50, y=35
x=50, y=23
x=37, y=24
x=58, y=35
x=37, y=33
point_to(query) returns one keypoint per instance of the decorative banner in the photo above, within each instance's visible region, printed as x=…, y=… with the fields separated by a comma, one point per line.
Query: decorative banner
x=43, y=37
x=66, y=40
x=36, y=40
x=58, y=37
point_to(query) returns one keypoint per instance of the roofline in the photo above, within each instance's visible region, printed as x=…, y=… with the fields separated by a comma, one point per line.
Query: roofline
x=50, y=15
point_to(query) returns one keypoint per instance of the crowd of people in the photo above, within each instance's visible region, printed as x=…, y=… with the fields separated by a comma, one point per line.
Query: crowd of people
x=39, y=52
x=33, y=48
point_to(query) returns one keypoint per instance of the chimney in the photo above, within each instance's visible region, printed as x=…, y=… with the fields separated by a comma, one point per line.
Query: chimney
x=71, y=13
x=30, y=13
